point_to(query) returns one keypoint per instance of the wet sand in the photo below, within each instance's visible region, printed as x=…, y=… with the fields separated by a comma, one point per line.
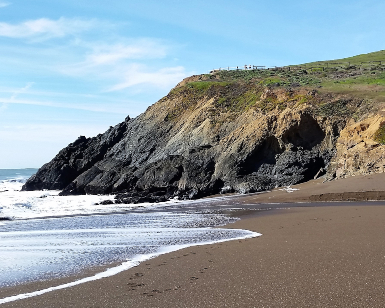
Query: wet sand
x=357, y=188
x=331, y=256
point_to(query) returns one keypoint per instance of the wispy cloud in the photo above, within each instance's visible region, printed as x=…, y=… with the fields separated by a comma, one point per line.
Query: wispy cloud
x=46, y=28
x=141, y=49
x=15, y=93
x=47, y=132
x=126, y=65
x=102, y=64
x=70, y=105
x=4, y=4
x=22, y=90
x=139, y=74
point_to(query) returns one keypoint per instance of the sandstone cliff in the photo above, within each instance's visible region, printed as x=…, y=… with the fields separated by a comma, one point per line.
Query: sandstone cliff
x=357, y=149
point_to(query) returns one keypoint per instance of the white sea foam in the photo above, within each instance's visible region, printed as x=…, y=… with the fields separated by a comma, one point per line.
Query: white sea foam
x=289, y=189
x=17, y=204
x=115, y=270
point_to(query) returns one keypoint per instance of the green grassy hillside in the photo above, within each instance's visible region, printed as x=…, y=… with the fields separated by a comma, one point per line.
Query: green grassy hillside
x=355, y=60
x=361, y=76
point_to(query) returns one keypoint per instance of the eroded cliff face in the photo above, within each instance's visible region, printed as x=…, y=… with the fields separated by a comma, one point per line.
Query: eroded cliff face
x=207, y=137
x=357, y=151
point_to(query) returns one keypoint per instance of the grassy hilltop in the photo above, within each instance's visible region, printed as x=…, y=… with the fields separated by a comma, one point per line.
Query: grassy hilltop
x=362, y=76
x=355, y=60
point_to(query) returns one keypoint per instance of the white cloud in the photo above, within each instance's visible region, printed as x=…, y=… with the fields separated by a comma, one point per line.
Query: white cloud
x=46, y=28
x=22, y=90
x=138, y=74
x=4, y=4
x=48, y=132
x=112, y=64
x=110, y=108
x=106, y=57
x=141, y=49
x=15, y=93
x=25, y=102
x=126, y=65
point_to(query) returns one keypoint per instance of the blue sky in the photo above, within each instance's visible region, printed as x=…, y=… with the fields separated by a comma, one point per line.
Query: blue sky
x=71, y=68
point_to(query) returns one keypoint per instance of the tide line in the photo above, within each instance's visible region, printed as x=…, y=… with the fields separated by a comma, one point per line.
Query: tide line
x=120, y=268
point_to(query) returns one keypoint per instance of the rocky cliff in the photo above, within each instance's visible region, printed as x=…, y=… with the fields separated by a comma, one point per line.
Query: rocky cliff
x=212, y=134
x=358, y=149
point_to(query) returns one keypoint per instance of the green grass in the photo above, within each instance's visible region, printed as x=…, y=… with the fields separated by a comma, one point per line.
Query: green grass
x=245, y=75
x=199, y=86
x=271, y=81
x=268, y=104
x=205, y=85
x=361, y=88
x=370, y=79
x=355, y=60
x=365, y=80
x=188, y=96
x=239, y=90
x=379, y=135
x=301, y=99
x=238, y=103
x=272, y=78
x=373, y=56
x=338, y=108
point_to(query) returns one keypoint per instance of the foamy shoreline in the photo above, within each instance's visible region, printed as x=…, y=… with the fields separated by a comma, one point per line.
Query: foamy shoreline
x=307, y=257
x=17, y=204
x=288, y=241
x=118, y=269
x=42, y=204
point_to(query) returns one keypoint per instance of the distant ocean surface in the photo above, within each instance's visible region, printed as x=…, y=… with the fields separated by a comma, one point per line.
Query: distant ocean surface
x=16, y=174
x=45, y=236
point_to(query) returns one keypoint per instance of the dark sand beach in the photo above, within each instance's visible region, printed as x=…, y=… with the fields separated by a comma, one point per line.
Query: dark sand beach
x=312, y=256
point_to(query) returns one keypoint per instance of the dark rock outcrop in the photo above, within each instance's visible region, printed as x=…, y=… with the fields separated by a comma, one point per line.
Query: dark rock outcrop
x=194, y=143
x=77, y=158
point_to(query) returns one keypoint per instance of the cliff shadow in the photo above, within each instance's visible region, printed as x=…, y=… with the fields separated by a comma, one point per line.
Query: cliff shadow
x=262, y=158
x=305, y=134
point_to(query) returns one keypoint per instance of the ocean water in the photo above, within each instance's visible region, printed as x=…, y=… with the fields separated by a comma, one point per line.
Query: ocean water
x=16, y=174
x=45, y=236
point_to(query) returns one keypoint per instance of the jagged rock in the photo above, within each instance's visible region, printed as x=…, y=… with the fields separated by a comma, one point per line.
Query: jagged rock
x=106, y=202
x=194, y=143
x=77, y=158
